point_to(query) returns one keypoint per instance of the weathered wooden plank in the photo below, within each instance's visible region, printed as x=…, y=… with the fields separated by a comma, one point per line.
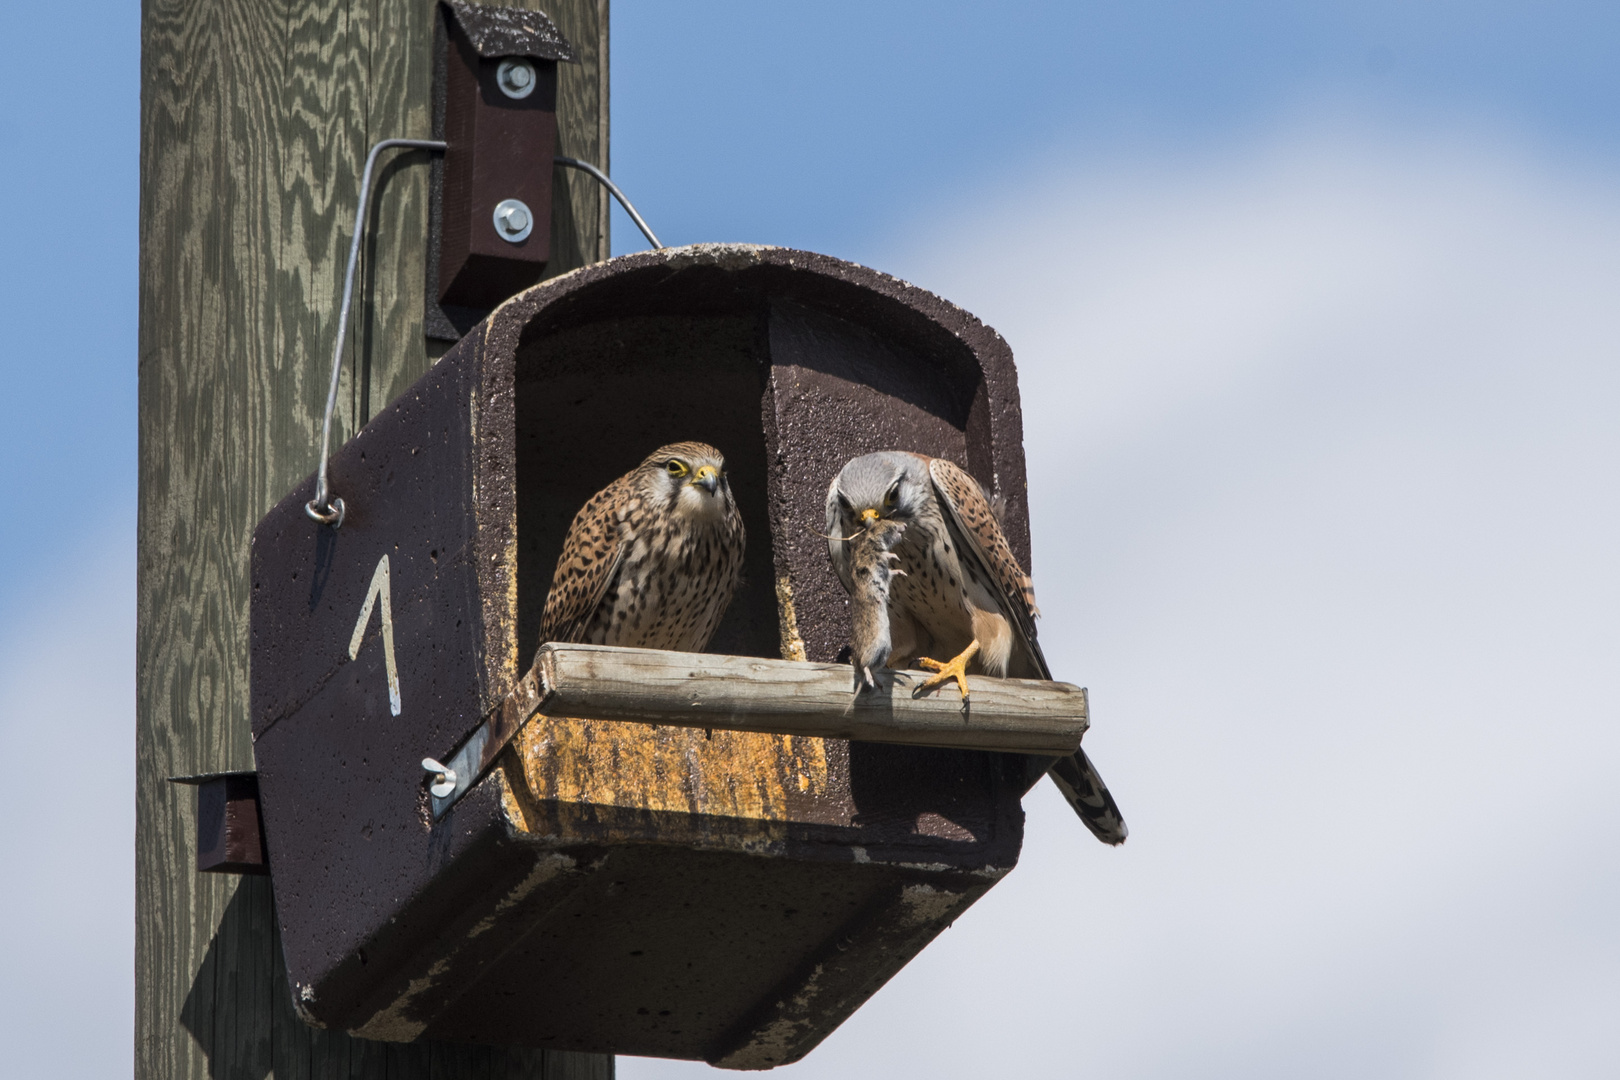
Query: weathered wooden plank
x=570, y=1065
x=407, y=1061
x=579, y=210
x=208, y=72
x=786, y=697
x=388, y=347
x=256, y=117
x=290, y=1038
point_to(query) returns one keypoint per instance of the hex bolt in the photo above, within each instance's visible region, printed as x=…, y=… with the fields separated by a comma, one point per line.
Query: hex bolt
x=513, y=220
x=515, y=77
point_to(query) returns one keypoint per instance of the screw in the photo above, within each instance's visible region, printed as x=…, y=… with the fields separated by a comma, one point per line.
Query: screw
x=515, y=78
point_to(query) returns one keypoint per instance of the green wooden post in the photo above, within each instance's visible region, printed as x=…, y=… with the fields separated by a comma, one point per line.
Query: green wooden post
x=256, y=116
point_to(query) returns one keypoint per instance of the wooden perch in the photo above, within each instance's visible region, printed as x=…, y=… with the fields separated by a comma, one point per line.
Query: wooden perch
x=784, y=697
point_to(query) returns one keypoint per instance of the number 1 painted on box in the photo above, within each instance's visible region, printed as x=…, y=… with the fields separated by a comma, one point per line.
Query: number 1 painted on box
x=379, y=587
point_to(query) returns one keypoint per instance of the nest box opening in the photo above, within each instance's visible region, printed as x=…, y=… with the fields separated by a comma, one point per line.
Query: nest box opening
x=594, y=399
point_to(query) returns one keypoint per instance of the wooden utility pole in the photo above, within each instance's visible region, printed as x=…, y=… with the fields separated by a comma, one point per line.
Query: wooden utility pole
x=256, y=116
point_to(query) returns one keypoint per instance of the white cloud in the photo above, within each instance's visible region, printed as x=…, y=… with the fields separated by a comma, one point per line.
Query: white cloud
x=1322, y=434
x=67, y=797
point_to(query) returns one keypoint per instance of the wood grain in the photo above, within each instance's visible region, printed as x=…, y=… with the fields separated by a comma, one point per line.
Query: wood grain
x=255, y=119
x=579, y=206
x=783, y=697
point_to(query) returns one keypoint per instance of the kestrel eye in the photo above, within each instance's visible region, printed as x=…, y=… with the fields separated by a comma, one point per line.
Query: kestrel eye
x=675, y=468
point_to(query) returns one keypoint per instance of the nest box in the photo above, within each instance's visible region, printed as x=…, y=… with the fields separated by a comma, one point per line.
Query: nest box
x=617, y=886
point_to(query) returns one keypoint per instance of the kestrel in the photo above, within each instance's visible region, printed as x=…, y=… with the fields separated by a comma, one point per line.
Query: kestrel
x=963, y=594
x=652, y=560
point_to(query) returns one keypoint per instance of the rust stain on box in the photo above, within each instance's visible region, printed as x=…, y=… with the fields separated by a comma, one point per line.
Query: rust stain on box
x=728, y=773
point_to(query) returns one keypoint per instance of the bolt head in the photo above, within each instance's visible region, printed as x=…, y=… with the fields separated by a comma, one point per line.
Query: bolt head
x=513, y=220
x=516, y=78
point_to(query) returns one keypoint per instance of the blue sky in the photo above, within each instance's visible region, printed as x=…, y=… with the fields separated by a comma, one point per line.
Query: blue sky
x=68, y=221
x=819, y=124
x=1314, y=306
x=829, y=126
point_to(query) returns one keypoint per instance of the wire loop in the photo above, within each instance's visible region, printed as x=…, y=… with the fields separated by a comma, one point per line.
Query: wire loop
x=333, y=513
x=325, y=508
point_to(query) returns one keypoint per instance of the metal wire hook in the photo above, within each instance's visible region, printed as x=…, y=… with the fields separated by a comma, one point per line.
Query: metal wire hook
x=325, y=508
x=602, y=177
x=334, y=509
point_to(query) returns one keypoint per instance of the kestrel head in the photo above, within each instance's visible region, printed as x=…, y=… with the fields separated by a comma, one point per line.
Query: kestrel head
x=889, y=485
x=687, y=480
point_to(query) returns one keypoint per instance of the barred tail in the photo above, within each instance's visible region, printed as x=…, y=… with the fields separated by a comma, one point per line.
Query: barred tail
x=1077, y=779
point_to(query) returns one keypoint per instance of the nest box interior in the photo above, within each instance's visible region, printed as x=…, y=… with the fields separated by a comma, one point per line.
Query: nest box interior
x=617, y=887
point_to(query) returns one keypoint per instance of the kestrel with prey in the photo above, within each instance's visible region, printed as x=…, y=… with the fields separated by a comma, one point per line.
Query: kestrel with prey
x=963, y=601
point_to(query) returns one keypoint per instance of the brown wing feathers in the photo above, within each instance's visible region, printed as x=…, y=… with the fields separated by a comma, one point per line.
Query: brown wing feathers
x=971, y=512
x=976, y=517
x=590, y=555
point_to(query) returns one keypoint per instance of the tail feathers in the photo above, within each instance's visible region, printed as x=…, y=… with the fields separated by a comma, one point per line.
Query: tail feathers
x=1077, y=779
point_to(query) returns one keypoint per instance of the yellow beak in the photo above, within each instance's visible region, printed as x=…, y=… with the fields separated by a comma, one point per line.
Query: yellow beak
x=869, y=514
x=707, y=478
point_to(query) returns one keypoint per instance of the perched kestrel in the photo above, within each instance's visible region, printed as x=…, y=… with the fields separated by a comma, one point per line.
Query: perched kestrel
x=963, y=594
x=652, y=560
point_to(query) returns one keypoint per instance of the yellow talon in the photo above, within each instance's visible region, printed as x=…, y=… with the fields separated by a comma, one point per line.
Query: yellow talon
x=954, y=669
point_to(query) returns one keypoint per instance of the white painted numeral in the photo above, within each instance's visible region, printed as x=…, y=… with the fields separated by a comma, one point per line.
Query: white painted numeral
x=379, y=587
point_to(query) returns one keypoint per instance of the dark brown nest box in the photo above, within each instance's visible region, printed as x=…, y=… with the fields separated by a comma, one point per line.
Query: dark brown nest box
x=617, y=886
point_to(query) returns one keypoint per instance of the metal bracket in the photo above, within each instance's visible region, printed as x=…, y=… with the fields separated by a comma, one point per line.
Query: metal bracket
x=473, y=758
x=230, y=834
